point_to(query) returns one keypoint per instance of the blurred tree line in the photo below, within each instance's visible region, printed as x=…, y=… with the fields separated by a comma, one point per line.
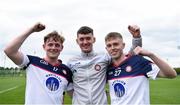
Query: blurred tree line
x=177, y=70
x=12, y=71
x=16, y=71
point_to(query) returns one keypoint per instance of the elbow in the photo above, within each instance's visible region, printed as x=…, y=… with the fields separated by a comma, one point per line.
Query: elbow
x=173, y=75
x=6, y=51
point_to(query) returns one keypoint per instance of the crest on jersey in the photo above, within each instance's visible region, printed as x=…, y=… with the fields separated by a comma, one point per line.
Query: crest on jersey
x=128, y=69
x=64, y=71
x=119, y=88
x=97, y=67
x=52, y=83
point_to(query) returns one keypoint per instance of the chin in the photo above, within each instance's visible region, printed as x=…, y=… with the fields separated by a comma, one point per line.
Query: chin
x=53, y=56
x=86, y=51
x=114, y=57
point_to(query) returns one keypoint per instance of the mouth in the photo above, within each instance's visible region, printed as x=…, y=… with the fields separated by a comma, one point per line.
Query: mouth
x=114, y=53
x=86, y=46
x=53, y=52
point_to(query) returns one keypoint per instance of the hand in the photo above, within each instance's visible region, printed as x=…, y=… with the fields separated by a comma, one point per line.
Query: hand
x=134, y=30
x=38, y=27
x=140, y=51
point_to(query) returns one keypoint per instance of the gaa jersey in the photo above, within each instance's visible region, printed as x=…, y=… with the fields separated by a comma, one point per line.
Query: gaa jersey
x=45, y=83
x=129, y=83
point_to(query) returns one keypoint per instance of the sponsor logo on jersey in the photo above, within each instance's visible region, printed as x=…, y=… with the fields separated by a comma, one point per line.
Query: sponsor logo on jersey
x=128, y=69
x=119, y=88
x=97, y=67
x=43, y=62
x=110, y=73
x=52, y=82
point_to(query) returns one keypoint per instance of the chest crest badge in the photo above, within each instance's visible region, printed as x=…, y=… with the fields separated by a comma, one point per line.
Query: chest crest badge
x=97, y=67
x=128, y=69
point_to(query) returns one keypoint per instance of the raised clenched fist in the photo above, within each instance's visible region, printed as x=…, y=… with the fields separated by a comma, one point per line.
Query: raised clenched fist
x=38, y=27
x=134, y=30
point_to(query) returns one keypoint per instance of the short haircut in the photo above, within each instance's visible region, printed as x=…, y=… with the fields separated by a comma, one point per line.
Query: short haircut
x=113, y=35
x=55, y=36
x=85, y=30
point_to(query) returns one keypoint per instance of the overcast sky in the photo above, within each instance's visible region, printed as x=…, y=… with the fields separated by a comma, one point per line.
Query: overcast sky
x=159, y=21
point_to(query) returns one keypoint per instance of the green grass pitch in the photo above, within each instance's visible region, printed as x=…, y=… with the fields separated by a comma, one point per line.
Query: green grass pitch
x=162, y=91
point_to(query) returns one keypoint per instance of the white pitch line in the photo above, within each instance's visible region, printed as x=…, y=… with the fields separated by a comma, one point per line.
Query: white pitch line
x=6, y=90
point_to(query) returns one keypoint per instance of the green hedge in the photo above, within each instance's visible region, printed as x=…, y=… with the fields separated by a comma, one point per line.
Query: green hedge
x=177, y=70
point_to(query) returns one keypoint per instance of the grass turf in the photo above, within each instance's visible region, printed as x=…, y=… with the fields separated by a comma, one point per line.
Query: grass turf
x=162, y=91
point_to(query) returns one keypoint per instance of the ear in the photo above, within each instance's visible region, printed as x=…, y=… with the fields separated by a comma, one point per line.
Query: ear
x=77, y=41
x=62, y=47
x=43, y=46
x=106, y=48
x=124, y=45
x=94, y=39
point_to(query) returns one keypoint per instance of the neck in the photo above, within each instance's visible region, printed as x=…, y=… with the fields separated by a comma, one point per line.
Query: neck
x=119, y=60
x=88, y=54
x=52, y=61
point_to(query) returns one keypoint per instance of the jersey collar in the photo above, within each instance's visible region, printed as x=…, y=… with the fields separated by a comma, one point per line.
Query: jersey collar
x=87, y=54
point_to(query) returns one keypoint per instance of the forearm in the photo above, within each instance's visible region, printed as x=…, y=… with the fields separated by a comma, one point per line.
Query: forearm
x=16, y=43
x=165, y=69
x=11, y=50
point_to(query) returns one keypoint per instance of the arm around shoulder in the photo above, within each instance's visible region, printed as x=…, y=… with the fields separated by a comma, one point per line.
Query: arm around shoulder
x=166, y=71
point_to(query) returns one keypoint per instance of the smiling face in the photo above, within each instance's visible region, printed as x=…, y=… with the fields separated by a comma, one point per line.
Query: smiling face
x=85, y=39
x=85, y=42
x=52, y=48
x=114, y=45
x=53, y=45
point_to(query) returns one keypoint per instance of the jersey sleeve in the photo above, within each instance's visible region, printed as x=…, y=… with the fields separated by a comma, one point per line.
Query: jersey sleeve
x=149, y=68
x=136, y=42
x=154, y=72
x=25, y=61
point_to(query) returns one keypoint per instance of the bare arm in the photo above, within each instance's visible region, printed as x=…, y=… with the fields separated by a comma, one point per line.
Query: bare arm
x=12, y=49
x=136, y=33
x=166, y=71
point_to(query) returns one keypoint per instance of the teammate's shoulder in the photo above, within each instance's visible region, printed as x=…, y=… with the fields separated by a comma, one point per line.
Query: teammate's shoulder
x=74, y=58
x=139, y=58
x=133, y=56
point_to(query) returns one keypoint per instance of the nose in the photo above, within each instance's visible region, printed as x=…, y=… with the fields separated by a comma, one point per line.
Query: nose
x=112, y=47
x=53, y=47
x=85, y=41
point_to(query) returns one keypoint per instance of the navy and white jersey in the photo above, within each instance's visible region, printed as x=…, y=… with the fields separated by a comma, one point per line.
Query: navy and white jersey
x=89, y=78
x=129, y=83
x=45, y=83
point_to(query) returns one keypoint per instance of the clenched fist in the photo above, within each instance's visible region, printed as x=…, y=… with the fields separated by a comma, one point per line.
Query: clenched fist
x=134, y=30
x=38, y=27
